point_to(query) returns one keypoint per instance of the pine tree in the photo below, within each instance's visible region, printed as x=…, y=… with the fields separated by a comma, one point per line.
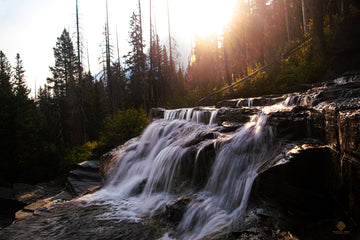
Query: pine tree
x=65, y=68
x=5, y=75
x=8, y=162
x=136, y=62
x=20, y=85
x=64, y=85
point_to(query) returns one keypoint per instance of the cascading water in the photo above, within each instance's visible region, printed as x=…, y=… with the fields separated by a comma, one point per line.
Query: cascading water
x=225, y=196
x=161, y=166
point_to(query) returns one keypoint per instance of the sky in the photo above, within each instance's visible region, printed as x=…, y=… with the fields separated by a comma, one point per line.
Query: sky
x=31, y=28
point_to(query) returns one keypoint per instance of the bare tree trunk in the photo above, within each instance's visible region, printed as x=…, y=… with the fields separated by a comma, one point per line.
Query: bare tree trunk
x=119, y=65
x=286, y=21
x=142, y=51
x=78, y=41
x=79, y=67
x=108, y=62
x=151, y=59
x=304, y=16
x=170, y=48
x=245, y=50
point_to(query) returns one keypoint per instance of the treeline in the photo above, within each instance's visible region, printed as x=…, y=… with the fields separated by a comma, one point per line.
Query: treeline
x=76, y=111
x=23, y=130
x=259, y=32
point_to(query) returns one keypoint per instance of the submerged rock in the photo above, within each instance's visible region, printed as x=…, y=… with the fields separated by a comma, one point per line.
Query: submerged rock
x=171, y=214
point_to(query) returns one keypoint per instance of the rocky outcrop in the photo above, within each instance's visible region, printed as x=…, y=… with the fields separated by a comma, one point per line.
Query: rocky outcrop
x=86, y=176
x=21, y=201
x=327, y=120
x=74, y=220
x=251, y=102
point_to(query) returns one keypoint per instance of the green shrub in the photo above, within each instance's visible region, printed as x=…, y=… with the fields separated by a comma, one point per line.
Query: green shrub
x=81, y=153
x=123, y=126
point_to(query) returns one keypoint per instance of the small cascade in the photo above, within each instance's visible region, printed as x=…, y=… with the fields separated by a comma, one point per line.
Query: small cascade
x=292, y=100
x=189, y=113
x=250, y=102
x=151, y=172
x=225, y=197
x=213, y=117
x=348, y=77
x=198, y=115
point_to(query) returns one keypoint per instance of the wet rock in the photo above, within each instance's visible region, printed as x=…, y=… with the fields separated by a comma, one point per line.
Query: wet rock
x=298, y=123
x=334, y=93
x=349, y=131
x=84, y=177
x=38, y=204
x=171, y=214
x=200, y=138
x=232, y=103
x=23, y=214
x=62, y=196
x=156, y=113
x=229, y=127
x=238, y=115
x=250, y=102
x=202, y=166
x=74, y=220
x=300, y=185
x=31, y=193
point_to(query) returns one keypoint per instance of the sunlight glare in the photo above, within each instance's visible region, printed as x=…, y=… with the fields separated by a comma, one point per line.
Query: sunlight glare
x=205, y=17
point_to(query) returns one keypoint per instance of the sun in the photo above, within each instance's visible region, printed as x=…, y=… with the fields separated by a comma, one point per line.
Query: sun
x=204, y=17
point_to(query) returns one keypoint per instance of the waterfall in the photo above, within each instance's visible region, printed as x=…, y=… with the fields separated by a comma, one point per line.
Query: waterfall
x=250, y=102
x=226, y=194
x=162, y=165
x=213, y=117
x=199, y=115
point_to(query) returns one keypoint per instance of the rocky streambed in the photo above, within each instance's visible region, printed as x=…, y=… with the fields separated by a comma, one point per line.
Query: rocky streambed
x=273, y=167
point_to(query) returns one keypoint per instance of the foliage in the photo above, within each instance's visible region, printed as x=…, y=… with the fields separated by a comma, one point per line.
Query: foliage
x=123, y=126
x=81, y=153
